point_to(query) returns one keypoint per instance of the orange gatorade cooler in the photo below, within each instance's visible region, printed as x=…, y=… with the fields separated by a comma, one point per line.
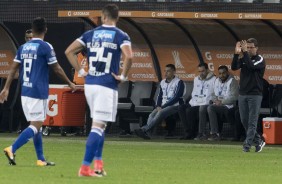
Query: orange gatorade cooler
x=272, y=130
x=64, y=107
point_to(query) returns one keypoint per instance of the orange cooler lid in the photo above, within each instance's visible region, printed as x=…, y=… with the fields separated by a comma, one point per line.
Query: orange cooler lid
x=276, y=119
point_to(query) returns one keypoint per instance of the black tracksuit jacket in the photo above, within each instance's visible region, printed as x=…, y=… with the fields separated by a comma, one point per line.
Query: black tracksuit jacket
x=252, y=71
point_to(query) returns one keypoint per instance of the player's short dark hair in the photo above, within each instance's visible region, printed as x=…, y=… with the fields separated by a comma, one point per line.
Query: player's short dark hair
x=204, y=65
x=171, y=66
x=223, y=67
x=253, y=40
x=111, y=11
x=28, y=31
x=39, y=25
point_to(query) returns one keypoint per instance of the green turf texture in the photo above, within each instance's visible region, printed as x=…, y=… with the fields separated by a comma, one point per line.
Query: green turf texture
x=134, y=161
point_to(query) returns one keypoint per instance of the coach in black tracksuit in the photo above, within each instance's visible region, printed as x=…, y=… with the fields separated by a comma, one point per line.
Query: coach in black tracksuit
x=252, y=68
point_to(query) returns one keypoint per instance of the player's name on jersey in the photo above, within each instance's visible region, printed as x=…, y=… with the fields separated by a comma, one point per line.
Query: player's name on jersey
x=104, y=44
x=190, y=15
x=29, y=56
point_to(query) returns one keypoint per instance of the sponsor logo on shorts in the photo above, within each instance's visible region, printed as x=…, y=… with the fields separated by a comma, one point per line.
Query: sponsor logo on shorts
x=35, y=113
x=103, y=112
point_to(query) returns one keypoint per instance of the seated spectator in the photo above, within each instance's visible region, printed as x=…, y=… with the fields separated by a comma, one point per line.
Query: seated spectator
x=223, y=101
x=196, y=111
x=170, y=96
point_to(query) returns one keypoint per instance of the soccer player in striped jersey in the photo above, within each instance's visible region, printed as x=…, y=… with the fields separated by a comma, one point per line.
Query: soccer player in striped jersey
x=33, y=59
x=104, y=46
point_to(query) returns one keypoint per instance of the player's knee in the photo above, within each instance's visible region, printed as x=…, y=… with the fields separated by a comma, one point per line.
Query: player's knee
x=99, y=123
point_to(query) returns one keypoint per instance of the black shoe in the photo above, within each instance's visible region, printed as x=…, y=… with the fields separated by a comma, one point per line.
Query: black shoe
x=142, y=134
x=214, y=137
x=246, y=149
x=260, y=146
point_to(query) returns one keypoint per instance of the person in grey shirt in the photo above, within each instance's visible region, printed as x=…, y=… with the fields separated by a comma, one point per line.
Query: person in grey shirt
x=223, y=100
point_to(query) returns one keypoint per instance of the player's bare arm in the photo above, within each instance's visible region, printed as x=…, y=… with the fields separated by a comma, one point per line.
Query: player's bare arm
x=5, y=92
x=127, y=51
x=71, y=52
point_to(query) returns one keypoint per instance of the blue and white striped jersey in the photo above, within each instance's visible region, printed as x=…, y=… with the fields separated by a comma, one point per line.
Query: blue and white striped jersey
x=34, y=57
x=104, y=45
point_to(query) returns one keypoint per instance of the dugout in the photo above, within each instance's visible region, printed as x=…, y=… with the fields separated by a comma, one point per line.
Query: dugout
x=181, y=33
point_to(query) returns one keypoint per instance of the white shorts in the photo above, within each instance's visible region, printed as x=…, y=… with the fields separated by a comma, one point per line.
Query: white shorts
x=102, y=102
x=34, y=109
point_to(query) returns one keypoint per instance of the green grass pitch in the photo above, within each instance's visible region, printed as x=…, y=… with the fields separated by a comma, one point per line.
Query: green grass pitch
x=134, y=161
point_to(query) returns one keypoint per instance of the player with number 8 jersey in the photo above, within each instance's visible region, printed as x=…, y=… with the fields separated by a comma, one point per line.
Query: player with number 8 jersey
x=33, y=59
x=33, y=56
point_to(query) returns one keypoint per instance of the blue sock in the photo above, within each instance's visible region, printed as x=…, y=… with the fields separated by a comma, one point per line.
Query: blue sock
x=37, y=141
x=98, y=155
x=23, y=138
x=92, y=144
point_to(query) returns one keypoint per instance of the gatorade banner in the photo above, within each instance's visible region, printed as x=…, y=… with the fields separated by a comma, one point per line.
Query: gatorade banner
x=142, y=68
x=273, y=74
x=185, y=60
x=6, y=59
x=218, y=57
x=273, y=70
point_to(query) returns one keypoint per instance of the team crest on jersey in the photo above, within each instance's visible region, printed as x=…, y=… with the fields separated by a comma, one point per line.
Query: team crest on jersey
x=104, y=35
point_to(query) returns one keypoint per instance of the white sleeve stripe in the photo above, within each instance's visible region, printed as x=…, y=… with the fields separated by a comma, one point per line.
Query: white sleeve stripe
x=50, y=46
x=80, y=41
x=128, y=43
x=52, y=62
x=261, y=59
x=18, y=61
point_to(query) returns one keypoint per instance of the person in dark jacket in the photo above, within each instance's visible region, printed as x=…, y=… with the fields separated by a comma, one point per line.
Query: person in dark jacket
x=252, y=67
